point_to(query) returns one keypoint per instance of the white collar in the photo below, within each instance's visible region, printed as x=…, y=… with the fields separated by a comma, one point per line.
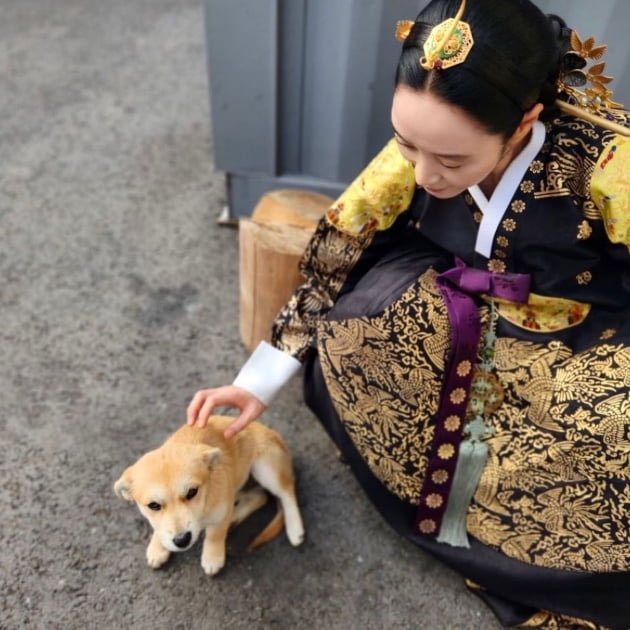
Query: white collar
x=494, y=208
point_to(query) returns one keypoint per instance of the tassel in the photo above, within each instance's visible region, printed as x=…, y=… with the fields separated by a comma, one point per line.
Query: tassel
x=473, y=451
x=471, y=461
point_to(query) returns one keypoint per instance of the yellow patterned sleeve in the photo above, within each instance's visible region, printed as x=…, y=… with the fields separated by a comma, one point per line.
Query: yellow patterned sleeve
x=610, y=189
x=375, y=199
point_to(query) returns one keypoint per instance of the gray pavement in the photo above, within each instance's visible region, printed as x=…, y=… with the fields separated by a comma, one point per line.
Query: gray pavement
x=118, y=299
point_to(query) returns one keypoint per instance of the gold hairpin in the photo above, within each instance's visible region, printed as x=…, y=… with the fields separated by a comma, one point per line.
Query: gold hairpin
x=591, y=102
x=448, y=43
x=403, y=28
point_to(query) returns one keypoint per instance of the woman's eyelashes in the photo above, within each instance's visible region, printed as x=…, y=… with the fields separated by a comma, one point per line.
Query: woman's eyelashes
x=406, y=149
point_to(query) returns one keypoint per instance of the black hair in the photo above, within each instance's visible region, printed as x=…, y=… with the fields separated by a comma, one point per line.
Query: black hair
x=513, y=64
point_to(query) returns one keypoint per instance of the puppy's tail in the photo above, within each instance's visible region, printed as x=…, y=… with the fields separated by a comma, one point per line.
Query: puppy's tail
x=272, y=530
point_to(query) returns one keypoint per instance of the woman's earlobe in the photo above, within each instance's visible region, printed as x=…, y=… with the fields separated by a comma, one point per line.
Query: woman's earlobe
x=527, y=122
x=532, y=114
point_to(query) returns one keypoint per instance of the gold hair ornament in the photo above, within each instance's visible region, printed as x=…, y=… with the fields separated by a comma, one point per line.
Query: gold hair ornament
x=448, y=43
x=590, y=103
x=403, y=29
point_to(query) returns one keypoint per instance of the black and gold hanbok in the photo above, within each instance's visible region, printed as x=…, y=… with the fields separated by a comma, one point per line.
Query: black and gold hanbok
x=389, y=272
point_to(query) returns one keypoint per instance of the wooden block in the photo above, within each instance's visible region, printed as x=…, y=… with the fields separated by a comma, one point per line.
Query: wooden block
x=291, y=207
x=271, y=245
x=269, y=255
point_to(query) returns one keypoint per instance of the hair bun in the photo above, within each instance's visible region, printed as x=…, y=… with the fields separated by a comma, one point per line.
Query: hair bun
x=561, y=33
x=562, y=44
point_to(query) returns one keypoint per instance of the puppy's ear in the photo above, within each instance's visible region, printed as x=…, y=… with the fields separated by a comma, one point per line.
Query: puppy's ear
x=211, y=456
x=123, y=487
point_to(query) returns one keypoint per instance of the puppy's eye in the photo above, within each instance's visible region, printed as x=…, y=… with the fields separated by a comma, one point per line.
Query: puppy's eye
x=156, y=507
x=191, y=493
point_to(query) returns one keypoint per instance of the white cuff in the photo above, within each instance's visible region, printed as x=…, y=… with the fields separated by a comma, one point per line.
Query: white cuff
x=266, y=372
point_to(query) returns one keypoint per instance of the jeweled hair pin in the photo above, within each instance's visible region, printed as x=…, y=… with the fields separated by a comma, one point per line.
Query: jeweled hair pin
x=448, y=43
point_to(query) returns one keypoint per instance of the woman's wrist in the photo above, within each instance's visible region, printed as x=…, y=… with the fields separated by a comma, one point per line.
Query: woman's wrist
x=266, y=372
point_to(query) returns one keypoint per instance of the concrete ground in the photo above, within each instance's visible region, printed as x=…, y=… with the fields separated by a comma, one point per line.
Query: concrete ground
x=118, y=300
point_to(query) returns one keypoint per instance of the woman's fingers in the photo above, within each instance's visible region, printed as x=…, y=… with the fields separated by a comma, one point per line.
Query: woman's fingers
x=206, y=410
x=202, y=405
x=238, y=425
x=205, y=401
x=249, y=413
x=195, y=405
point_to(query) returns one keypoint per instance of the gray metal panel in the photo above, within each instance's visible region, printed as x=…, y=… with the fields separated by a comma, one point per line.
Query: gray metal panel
x=291, y=85
x=618, y=57
x=359, y=86
x=325, y=71
x=246, y=190
x=242, y=51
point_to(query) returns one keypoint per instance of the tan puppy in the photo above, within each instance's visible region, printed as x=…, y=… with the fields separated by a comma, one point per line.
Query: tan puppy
x=193, y=483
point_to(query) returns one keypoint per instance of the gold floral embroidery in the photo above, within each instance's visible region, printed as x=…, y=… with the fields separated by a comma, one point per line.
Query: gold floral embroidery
x=446, y=451
x=477, y=216
x=463, y=369
x=584, y=278
x=427, y=526
x=452, y=423
x=502, y=241
x=468, y=199
x=518, y=206
x=440, y=476
x=458, y=396
x=584, y=230
x=434, y=501
x=608, y=334
x=496, y=265
x=509, y=225
x=527, y=187
x=536, y=166
x=499, y=253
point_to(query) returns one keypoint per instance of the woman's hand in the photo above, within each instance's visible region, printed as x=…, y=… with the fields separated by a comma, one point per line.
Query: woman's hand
x=204, y=401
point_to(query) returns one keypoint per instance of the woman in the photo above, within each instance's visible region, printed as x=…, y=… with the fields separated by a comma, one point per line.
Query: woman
x=465, y=320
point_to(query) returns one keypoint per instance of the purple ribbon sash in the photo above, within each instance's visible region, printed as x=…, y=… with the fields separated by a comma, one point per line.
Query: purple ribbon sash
x=458, y=286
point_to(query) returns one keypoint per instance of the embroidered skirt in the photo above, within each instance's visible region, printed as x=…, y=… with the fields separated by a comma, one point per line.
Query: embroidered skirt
x=548, y=524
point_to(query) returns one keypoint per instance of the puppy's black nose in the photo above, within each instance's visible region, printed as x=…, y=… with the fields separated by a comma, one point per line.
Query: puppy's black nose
x=182, y=540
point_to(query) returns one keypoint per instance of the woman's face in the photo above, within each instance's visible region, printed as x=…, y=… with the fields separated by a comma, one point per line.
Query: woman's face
x=448, y=149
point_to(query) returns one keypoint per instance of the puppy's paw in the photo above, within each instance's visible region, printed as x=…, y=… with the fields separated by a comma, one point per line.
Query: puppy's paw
x=296, y=535
x=294, y=527
x=212, y=564
x=156, y=554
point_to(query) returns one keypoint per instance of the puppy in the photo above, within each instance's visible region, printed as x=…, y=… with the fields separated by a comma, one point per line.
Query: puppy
x=193, y=483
